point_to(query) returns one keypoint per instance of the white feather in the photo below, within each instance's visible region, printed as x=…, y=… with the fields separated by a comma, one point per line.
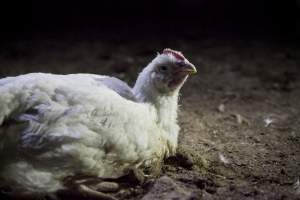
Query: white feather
x=82, y=123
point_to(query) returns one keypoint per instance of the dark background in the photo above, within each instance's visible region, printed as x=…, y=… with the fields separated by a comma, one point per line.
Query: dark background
x=192, y=19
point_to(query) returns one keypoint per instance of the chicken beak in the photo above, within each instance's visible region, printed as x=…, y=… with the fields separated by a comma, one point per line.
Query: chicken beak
x=189, y=69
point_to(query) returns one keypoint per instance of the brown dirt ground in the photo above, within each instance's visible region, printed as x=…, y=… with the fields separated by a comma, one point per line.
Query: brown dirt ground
x=240, y=124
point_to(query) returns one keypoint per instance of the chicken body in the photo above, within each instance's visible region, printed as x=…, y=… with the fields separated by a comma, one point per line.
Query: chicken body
x=65, y=125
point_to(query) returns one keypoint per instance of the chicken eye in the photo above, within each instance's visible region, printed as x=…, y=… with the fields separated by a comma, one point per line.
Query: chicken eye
x=163, y=68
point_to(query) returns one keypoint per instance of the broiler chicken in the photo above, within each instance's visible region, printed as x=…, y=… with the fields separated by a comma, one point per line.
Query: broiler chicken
x=58, y=126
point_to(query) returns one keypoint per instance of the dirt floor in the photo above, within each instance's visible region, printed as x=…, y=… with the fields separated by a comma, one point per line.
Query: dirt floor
x=239, y=116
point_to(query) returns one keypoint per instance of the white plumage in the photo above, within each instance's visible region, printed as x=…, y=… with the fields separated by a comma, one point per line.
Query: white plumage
x=55, y=126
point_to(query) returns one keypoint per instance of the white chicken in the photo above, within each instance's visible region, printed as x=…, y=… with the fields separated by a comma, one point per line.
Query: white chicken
x=57, y=126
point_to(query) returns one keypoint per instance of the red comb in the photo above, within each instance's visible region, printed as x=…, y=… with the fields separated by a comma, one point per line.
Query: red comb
x=178, y=55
